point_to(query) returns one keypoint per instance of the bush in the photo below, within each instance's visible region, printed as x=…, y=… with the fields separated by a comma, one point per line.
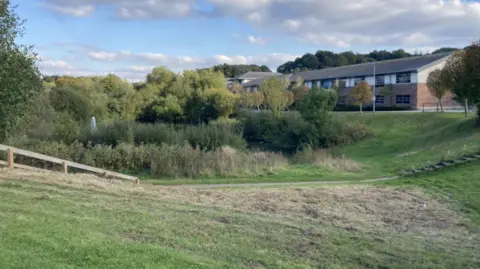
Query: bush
x=323, y=158
x=205, y=136
x=291, y=133
x=179, y=160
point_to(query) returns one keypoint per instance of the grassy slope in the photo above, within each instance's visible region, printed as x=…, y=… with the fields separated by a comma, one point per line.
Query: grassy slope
x=403, y=140
x=459, y=186
x=49, y=226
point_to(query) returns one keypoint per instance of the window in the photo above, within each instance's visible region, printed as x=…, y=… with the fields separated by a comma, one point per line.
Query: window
x=341, y=100
x=358, y=80
x=254, y=89
x=326, y=84
x=403, y=78
x=380, y=81
x=379, y=99
x=402, y=99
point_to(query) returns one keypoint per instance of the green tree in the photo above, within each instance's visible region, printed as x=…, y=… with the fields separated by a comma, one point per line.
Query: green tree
x=257, y=99
x=19, y=77
x=68, y=100
x=163, y=109
x=274, y=91
x=162, y=77
x=222, y=100
x=361, y=94
x=317, y=104
x=436, y=86
x=461, y=76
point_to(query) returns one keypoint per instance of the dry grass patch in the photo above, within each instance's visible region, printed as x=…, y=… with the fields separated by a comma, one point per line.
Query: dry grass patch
x=357, y=208
x=324, y=158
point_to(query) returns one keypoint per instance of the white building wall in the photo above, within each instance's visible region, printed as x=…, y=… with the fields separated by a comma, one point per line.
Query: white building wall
x=413, y=77
x=423, y=74
x=370, y=80
x=393, y=79
x=388, y=79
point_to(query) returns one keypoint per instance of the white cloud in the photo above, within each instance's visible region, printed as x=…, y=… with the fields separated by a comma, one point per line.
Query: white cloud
x=126, y=9
x=189, y=62
x=74, y=10
x=103, y=56
x=256, y=40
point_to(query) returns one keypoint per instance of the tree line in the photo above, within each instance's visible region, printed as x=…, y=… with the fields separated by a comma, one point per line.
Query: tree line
x=326, y=59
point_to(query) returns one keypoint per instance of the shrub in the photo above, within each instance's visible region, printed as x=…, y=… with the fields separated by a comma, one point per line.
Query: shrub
x=323, y=158
x=185, y=161
x=205, y=136
x=178, y=160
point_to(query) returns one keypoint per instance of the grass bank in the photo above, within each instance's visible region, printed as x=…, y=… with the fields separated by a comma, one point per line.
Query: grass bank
x=58, y=221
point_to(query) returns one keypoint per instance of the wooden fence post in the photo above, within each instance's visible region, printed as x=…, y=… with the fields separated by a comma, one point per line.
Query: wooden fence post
x=65, y=167
x=10, y=158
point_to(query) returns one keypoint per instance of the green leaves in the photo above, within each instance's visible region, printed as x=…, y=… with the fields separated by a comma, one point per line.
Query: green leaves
x=19, y=76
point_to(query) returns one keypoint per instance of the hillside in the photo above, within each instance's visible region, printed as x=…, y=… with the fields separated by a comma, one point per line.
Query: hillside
x=57, y=221
x=405, y=140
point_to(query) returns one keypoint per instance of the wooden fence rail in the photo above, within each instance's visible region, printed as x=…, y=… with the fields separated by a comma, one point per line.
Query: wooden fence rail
x=11, y=152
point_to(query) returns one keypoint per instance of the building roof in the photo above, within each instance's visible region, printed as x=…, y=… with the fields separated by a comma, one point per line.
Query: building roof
x=257, y=82
x=256, y=75
x=409, y=64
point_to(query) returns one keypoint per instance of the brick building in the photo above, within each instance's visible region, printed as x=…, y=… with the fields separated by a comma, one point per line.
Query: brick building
x=400, y=82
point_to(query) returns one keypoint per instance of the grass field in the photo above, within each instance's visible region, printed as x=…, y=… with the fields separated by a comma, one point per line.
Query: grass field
x=58, y=221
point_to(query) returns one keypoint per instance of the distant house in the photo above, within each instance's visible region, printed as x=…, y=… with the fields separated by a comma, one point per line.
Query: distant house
x=400, y=82
x=249, y=76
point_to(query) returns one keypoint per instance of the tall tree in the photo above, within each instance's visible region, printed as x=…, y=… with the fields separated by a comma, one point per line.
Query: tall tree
x=437, y=86
x=456, y=78
x=273, y=89
x=19, y=77
x=361, y=94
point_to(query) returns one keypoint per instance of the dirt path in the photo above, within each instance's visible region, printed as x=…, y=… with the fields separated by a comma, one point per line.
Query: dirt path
x=278, y=184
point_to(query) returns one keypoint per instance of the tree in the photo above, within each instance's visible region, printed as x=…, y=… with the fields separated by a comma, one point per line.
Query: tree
x=236, y=88
x=461, y=75
x=273, y=90
x=19, y=77
x=162, y=77
x=361, y=94
x=222, y=100
x=165, y=109
x=257, y=99
x=299, y=93
x=436, y=86
x=316, y=105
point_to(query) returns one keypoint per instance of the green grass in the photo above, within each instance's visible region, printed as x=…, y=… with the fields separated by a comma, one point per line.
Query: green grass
x=460, y=185
x=406, y=140
x=61, y=226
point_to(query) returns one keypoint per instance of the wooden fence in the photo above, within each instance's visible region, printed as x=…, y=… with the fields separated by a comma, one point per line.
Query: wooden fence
x=10, y=163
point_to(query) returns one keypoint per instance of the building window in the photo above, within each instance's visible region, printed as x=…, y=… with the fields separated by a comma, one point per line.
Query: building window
x=380, y=81
x=254, y=89
x=326, y=84
x=380, y=99
x=342, y=100
x=358, y=80
x=402, y=99
x=403, y=78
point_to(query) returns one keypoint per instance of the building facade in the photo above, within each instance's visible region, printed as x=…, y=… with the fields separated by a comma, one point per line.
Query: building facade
x=400, y=82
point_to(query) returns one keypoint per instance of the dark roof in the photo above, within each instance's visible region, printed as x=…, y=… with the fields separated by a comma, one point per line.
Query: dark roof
x=257, y=75
x=382, y=67
x=257, y=82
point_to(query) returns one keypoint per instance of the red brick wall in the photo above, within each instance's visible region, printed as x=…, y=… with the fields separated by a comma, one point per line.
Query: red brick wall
x=427, y=99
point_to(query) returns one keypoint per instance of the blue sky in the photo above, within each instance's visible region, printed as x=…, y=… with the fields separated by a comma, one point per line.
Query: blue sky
x=129, y=37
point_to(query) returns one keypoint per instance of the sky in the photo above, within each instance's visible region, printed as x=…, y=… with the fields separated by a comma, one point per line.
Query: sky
x=130, y=37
